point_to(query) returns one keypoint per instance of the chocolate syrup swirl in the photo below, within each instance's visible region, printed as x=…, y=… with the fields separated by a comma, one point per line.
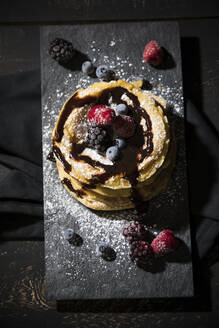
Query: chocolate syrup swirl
x=50, y=157
x=72, y=103
x=57, y=152
x=126, y=166
x=79, y=193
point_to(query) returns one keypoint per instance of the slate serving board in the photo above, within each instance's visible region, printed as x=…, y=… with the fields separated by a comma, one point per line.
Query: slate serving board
x=76, y=272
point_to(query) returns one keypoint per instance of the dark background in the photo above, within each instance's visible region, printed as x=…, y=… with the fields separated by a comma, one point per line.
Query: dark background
x=22, y=298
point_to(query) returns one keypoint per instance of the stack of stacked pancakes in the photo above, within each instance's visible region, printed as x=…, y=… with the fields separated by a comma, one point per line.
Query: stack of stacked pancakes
x=145, y=167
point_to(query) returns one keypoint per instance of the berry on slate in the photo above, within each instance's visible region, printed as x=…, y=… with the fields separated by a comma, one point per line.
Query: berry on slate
x=87, y=68
x=164, y=243
x=124, y=126
x=153, y=53
x=121, y=109
x=105, y=251
x=98, y=138
x=68, y=234
x=104, y=73
x=72, y=237
x=76, y=240
x=112, y=153
x=140, y=251
x=134, y=231
x=101, y=115
x=61, y=50
x=120, y=143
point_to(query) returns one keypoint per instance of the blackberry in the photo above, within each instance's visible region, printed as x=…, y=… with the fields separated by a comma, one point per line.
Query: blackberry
x=140, y=251
x=134, y=231
x=98, y=138
x=61, y=50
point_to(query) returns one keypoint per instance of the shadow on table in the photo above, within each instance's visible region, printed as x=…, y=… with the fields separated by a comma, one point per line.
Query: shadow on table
x=192, y=79
x=186, y=304
x=140, y=306
x=201, y=164
x=76, y=63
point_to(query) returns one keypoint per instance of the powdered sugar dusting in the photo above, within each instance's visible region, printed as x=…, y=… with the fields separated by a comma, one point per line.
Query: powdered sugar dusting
x=63, y=211
x=127, y=99
x=112, y=43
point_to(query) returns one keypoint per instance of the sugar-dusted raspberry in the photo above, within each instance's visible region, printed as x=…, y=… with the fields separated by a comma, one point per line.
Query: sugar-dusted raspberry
x=164, y=243
x=124, y=126
x=153, y=53
x=101, y=115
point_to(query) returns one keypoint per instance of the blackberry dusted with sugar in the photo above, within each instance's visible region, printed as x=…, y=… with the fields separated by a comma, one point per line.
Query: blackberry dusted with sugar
x=134, y=231
x=140, y=251
x=98, y=138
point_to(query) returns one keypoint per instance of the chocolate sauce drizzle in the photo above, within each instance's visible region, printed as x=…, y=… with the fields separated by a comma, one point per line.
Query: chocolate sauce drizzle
x=79, y=193
x=50, y=157
x=126, y=166
x=72, y=103
x=57, y=152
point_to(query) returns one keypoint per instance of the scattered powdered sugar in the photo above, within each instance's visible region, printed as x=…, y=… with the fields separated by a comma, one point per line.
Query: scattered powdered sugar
x=93, y=154
x=127, y=99
x=112, y=43
x=62, y=211
x=173, y=96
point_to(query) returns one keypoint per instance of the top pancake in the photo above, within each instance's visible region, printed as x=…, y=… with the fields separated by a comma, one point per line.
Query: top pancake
x=140, y=160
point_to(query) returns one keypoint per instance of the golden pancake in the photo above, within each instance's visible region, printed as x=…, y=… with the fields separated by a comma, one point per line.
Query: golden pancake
x=144, y=168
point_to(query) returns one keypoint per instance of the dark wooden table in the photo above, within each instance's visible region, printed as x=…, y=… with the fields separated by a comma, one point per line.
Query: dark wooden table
x=22, y=297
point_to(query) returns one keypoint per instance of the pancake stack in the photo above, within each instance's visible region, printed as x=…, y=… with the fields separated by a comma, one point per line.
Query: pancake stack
x=144, y=168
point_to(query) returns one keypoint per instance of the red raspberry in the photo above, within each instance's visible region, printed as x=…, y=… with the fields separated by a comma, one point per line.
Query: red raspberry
x=153, y=53
x=101, y=115
x=124, y=126
x=164, y=243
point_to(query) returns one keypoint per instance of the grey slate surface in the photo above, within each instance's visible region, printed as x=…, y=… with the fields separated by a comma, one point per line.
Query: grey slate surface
x=77, y=273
